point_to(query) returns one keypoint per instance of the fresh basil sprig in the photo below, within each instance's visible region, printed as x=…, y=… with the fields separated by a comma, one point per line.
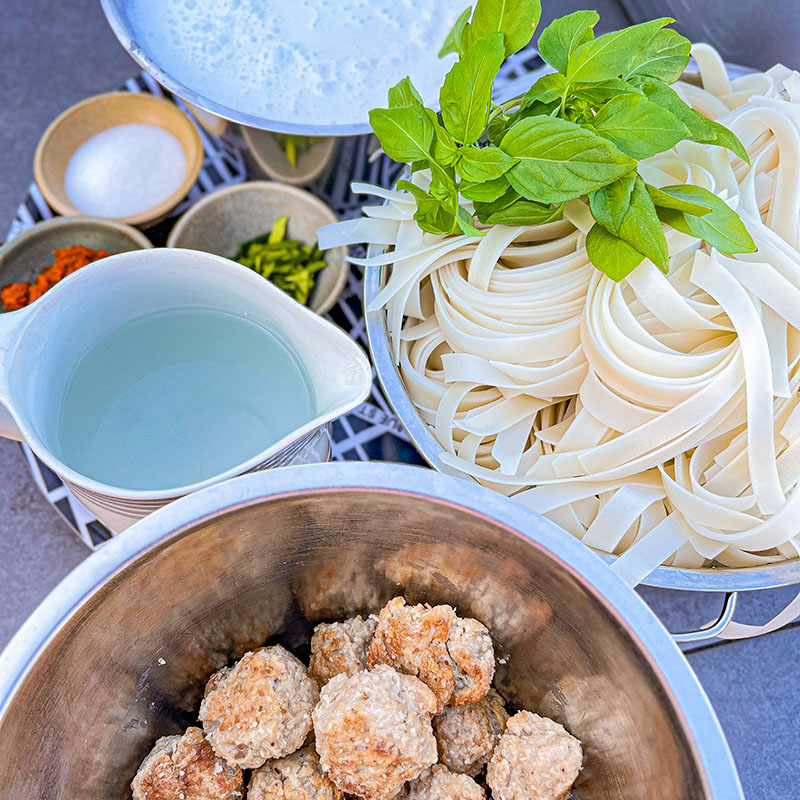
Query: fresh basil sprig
x=578, y=132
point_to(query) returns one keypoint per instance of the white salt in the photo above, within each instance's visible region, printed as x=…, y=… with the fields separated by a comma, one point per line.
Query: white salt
x=303, y=61
x=125, y=170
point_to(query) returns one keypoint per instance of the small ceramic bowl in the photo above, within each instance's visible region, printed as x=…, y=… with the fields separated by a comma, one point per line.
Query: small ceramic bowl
x=267, y=156
x=215, y=125
x=225, y=219
x=92, y=116
x=23, y=256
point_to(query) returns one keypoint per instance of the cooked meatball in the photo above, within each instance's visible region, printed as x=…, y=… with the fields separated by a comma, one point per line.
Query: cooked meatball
x=470, y=647
x=260, y=708
x=373, y=731
x=438, y=783
x=340, y=647
x=535, y=758
x=185, y=768
x=467, y=735
x=454, y=657
x=295, y=777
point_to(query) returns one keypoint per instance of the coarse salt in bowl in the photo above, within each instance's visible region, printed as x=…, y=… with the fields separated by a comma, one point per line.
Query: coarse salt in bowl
x=129, y=157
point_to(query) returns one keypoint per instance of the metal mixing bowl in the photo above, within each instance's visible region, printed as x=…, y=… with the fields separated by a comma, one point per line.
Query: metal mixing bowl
x=118, y=654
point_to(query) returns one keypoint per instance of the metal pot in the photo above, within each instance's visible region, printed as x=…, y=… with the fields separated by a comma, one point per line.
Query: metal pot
x=118, y=654
x=714, y=579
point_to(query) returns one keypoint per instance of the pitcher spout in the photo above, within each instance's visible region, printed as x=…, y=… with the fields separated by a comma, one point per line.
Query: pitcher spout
x=340, y=376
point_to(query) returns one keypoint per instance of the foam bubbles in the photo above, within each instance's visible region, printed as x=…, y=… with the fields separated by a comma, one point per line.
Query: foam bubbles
x=306, y=61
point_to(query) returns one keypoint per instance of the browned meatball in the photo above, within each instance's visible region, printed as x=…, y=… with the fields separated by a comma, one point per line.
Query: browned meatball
x=452, y=656
x=295, y=777
x=439, y=783
x=535, y=758
x=340, y=647
x=471, y=649
x=185, y=768
x=373, y=731
x=467, y=735
x=260, y=708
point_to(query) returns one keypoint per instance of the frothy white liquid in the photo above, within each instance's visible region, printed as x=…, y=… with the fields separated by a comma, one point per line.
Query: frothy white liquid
x=301, y=61
x=125, y=170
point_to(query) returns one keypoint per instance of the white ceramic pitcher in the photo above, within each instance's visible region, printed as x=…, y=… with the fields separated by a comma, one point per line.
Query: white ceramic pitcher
x=41, y=344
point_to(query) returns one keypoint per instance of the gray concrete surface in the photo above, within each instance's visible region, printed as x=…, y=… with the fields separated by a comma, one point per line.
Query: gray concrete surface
x=53, y=54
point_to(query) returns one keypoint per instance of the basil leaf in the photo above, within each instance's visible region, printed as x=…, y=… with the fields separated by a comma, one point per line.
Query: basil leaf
x=602, y=92
x=482, y=164
x=536, y=109
x=679, y=198
x=610, y=254
x=559, y=160
x=484, y=192
x=443, y=187
x=639, y=127
x=417, y=191
x=706, y=131
x=545, y=90
x=625, y=209
x=466, y=223
x=721, y=228
x=610, y=204
x=498, y=126
x=515, y=19
x=405, y=132
x=610, y=55
x=701, y=129
x=467, y=89
x=485, y=210
x=562, y=36
x=443, y=148
x=642, y=228
x=579, y=111
x=523, y=212
x=665, y=57
x=404, y=94
x=430, y=215
x=453, y=42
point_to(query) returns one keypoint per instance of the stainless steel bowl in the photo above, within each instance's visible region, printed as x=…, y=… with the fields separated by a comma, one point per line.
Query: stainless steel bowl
x=118, y=654
x=713, y=579
x=118, y=20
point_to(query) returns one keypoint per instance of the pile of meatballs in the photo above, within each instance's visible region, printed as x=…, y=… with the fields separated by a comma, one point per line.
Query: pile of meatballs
x=398, y=705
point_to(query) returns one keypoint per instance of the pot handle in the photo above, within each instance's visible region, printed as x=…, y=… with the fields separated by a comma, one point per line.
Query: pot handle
x=714, y=628
x=10, y=323
x=725, y=627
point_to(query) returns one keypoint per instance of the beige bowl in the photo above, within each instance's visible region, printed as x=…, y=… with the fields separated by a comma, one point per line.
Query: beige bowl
x=268, y=157
x=23, y=256
x=92, y=116
x=225, y=219
x=215, y=125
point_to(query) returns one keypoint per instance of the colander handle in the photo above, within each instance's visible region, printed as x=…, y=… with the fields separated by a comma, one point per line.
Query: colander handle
x=724, y=627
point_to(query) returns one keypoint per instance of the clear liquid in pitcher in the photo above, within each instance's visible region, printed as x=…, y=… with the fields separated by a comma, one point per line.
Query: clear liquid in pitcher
x=178, y=397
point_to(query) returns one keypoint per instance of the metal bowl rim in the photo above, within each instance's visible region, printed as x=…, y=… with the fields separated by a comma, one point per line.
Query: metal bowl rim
x=688, y=699
x=729, y=579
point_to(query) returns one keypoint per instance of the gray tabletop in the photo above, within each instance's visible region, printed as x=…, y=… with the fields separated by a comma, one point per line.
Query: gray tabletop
x=54, y=54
